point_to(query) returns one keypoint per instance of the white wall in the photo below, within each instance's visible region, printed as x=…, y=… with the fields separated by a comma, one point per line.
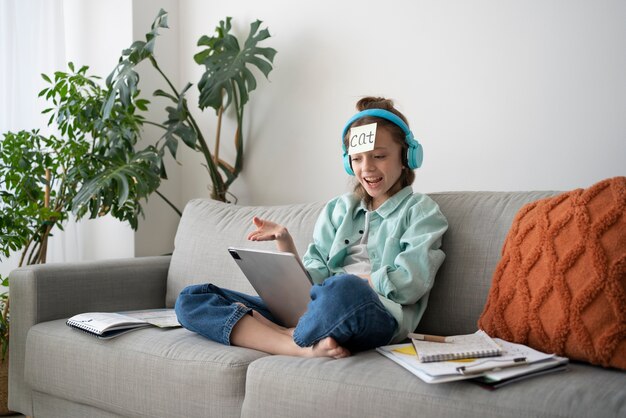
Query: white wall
x=504, y=95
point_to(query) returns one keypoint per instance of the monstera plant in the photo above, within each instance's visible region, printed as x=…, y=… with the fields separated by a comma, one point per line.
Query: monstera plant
x=227, y=80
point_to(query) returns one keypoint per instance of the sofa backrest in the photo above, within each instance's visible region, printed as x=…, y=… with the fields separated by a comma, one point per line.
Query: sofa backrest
x=479, y=222
x=206, y=230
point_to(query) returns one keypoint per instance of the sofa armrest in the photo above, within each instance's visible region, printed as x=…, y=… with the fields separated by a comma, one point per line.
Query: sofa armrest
x=53, y=291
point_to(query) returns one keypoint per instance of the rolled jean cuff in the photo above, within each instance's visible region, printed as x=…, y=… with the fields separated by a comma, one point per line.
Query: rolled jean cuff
x=239, y=313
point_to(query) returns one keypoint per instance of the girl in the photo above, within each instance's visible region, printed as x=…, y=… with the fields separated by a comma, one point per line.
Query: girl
x=373, y=259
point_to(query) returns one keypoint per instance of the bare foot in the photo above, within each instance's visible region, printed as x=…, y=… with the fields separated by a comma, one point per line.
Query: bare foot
x=328, y=347
x=253, y=333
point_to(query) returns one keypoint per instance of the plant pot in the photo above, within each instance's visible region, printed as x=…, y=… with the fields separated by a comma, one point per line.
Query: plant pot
x=4, y=387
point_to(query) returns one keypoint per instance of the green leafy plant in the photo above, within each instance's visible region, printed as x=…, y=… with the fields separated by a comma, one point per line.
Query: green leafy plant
x=41, y=176
x=92, y=166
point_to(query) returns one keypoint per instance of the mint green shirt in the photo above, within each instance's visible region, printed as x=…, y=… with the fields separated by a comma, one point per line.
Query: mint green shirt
x=403, y=245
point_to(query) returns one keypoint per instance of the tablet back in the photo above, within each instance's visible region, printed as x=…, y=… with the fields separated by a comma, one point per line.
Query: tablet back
x=279, y=278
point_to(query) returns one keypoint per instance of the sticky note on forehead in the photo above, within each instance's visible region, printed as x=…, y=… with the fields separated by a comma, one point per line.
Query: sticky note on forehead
x=362, y=138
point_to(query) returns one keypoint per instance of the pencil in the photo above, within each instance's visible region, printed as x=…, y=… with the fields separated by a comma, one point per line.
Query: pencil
x=426, y=337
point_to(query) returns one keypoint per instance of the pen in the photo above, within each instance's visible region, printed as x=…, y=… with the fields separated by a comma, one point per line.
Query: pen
x=465, y=370
x=425, y=337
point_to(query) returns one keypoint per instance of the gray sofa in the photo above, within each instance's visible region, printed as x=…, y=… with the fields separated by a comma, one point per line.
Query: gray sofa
x=58, y=372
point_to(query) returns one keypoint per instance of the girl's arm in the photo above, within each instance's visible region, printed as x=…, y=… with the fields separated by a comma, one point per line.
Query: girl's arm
x=271, y=231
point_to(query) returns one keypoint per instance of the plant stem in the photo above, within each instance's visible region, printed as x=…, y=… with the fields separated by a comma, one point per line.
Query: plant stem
x=167, y=80
x=5, y=310
x=238, y=136
x=43, y=249
x=216, y=154
x=219, y=191
x=158, y=125
x=46, y=199
x=25, y=251
x=216, y=179
x=169, y=203
x=33, y=251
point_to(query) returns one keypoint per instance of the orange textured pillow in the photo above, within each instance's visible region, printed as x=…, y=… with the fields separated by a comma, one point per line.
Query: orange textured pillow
x=560, y=286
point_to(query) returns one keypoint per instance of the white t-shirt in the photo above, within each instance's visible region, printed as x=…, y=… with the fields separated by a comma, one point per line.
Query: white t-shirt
x=357, y=261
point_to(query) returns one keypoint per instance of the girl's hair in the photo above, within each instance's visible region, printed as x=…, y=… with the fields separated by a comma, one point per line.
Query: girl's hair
x=408, y=176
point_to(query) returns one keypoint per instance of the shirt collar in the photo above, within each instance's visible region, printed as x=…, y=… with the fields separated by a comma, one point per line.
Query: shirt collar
x=390, y=204
x=393, y=202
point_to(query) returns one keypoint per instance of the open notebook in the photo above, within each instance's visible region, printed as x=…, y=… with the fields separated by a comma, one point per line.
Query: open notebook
x=457, y=347
x=107, y=325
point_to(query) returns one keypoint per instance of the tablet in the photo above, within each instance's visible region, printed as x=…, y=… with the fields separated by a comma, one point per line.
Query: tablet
x=279, y=278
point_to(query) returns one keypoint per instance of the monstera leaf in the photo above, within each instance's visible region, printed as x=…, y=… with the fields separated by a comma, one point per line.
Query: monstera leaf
x=228, y=65
x=120, y=186
x=178, y=124
x=123, y=80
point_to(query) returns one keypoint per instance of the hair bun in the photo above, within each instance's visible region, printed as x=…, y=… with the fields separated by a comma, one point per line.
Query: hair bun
x=374, y=103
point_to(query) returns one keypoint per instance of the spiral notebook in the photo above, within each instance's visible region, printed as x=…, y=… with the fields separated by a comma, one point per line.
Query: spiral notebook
x=107, y=325
x=457, y=347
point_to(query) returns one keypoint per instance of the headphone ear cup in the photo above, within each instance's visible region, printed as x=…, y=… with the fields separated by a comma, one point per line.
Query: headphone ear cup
x=346, y=164
x=415, y=156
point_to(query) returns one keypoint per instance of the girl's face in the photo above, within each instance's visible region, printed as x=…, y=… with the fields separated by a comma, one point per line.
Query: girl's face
x=378, y=170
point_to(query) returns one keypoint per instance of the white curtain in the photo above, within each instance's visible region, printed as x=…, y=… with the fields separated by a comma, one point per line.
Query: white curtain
x=32, y=42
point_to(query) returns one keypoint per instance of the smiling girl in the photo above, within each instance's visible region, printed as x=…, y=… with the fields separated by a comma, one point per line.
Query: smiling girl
x=373, y=259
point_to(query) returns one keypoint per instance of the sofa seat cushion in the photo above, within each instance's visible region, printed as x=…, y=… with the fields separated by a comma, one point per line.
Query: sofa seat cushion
x=369, y=385
x=145, y=373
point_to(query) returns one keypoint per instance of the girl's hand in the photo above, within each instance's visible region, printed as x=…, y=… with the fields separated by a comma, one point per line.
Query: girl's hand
x=268, y=231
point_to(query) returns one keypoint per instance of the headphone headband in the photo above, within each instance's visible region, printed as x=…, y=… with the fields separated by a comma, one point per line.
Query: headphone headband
x=415, y=153
x=379, y=113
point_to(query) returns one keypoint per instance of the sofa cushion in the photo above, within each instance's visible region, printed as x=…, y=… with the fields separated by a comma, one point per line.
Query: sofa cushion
x=146, y=373
x=560, y=286
x=370, y=385
x=208, y=228
x=478, y=223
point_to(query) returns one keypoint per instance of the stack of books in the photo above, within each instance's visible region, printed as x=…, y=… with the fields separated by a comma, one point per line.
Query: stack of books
x=490, y=362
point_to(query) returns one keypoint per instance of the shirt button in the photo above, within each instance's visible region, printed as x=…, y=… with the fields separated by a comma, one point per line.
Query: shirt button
x=347, y=242
x=361, y=231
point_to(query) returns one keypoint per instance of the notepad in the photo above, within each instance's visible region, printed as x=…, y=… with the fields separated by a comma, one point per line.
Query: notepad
x=457, y=347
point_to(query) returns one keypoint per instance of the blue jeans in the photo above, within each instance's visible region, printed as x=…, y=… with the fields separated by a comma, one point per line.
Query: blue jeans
x=343, y=307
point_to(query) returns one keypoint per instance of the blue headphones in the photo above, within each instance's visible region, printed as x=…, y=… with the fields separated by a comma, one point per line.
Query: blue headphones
x=415, y=153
